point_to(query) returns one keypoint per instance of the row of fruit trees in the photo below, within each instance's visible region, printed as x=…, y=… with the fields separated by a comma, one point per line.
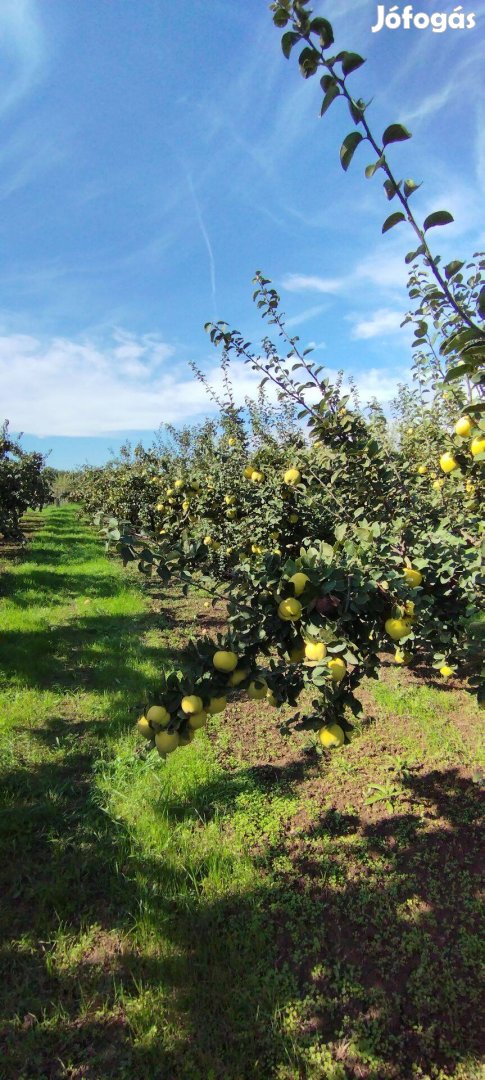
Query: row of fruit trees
x=24, y=483
x=329, y=533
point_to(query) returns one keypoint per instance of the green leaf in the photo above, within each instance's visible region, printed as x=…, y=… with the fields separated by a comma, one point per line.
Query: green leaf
x=392, y=220
x=332, y=93
x=457, y=372
x=391, y=189
x=452, y=268
x=412, y=255
x=409, y=187
x=324, y=29
x=350, y=61
x=371, y=169
x=481, y=301
x=440, y=217
x=308, y=61
x=395, y=133
x=281, y=17
x=357, y=110
x=288, y=41
x=349, y=147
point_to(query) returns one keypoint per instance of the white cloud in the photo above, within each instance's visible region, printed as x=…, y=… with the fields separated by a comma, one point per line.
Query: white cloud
x=380, y=324
x=311, y=283
x=64, y=387
x=386, y=269
x=69, y=388
x=305, y=316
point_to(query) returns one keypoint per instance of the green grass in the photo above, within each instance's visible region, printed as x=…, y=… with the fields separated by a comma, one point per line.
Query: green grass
x=218, y=917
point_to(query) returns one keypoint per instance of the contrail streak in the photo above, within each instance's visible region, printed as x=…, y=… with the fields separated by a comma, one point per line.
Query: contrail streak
x=205, y=236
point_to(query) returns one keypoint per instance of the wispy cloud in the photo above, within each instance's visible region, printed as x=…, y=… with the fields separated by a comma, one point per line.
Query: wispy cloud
x=380, y=324
x=62, y=387
x=305, y=316
x=311, y=283
x=22, y=50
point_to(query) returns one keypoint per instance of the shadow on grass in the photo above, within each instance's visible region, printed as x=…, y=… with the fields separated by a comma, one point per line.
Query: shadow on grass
x=370, y=949
x=91, y=653
x=355, y=945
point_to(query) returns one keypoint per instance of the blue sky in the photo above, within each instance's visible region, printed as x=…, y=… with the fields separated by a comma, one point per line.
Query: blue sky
x=154, y=155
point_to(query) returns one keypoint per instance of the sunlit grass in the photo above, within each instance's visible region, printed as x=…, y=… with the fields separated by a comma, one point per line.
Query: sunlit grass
x=189, y=920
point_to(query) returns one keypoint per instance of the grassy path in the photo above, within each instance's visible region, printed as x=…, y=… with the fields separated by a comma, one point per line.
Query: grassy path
x=218, y=918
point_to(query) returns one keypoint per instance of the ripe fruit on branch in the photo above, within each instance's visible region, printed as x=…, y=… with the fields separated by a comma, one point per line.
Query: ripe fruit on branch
x=299, y=581
x=216, y=705
x=463, y=426
x=292, y=476
x=397, y=628
x=166, y=742
x=446, y=671
x=338, y=669
x=248, y=471
x=158, y=716
x=192, y=704
x=413, y=577
x=448, y=463
x=477, y=445
x=198, y=720
x=224, y=660
x=257, y=689
x=315, y=650
x=257, y=477
x=144, y=728
x=331, y=736
x=402, y=657
x=238, y=677
x=422, y=470
x=290, y=610
x=187, y=737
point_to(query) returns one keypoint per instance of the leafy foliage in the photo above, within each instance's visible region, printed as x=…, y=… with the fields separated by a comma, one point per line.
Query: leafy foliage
x=24, y=482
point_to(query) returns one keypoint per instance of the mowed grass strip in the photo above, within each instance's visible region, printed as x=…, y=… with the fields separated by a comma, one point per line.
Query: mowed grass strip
x=243, y=910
